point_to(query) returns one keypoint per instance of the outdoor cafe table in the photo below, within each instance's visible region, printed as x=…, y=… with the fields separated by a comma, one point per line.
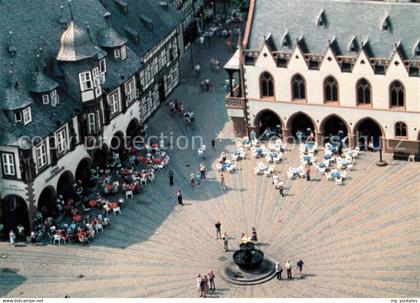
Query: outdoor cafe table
x=335, y=174
x=306, y=158
x=327, y=156
x=92, y=203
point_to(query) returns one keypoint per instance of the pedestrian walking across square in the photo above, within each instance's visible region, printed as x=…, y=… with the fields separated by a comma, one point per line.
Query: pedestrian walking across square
x=299, y=265
x=179, y=197
x=218, y=226
x=288, y=267
x=203, y=170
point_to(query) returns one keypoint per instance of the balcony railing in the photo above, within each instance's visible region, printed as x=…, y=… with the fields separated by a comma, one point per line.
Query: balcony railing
x=235, y=101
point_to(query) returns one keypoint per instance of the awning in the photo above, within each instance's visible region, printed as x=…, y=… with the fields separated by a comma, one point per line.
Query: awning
x=233, y=63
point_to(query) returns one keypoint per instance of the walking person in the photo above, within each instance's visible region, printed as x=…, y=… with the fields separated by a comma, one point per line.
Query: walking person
x=281, y=188
x=202, y=288
x=288, y=267
x=179, y=196
x=279, y=271
x=192, y=179
x=12, y=237
x=218, y=226
x=222, y=182
x=225, y=242
x=171, y=177
x=211, y=280
x=197, y=179
x=202, y=170
x=198, y=283
x=197, y=70
x=300, y=267
x=213, y=143
x=206, y=285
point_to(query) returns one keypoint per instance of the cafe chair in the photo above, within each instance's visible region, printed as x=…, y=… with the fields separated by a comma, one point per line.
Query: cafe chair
x=99, y=227
x=116, y=210
x=57, y=238
x=129, y=194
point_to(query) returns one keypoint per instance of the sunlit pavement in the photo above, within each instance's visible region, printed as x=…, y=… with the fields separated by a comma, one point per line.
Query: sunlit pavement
x=357, y=240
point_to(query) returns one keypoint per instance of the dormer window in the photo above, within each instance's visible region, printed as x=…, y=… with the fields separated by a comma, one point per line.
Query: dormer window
x=85, y=81
x=354, y=46
x=27, y=116
x=102, y=66
x=120, y=53
x=417, y=50
x=123, y=52
x=117, y=53
x=322, y=19
x=45, y=99
x=386, y=24
x=18, y=117
x=286, y=40
x=54, y=98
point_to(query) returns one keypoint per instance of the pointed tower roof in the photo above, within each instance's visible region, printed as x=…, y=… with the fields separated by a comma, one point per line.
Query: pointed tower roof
x=108, y=37
x=76, y=44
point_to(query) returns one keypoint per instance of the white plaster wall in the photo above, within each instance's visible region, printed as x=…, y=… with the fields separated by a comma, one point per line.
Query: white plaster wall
x=347, y=90
x=347, y=81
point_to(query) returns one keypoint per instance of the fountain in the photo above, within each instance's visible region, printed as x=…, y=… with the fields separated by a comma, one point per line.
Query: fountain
x=248, y=258
x=248, y=266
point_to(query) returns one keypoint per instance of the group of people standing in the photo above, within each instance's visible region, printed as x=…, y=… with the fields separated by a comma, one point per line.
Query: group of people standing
x=206, y=283
x=196, y=178
x=288, y=267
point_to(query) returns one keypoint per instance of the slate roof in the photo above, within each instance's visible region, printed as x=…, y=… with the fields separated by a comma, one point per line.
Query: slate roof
x=45, y=120
x=41, y=83
x=121, y=71
x=345, y=20
x=164, y=21
x=12, y=99
x=108, y=37
x=76, y=44
x=37, y=27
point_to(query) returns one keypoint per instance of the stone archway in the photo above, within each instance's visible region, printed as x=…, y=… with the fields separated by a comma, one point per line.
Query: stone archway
x=333, y=126
x=133, y=130
x=368, y=130
x=100, y=156
x=83, y=172
x=301, y=122
x=46, y=202
x=268, y=119
x=15, y=212
x=118, y=145
x=65, y=185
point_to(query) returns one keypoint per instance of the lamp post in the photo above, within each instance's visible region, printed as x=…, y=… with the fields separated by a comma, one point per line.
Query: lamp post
x=381, y=162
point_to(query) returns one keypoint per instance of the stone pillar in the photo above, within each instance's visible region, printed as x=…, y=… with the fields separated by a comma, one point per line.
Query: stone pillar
x=352, y=138
x=318, y=138
x=286, y=134
x=230, y=82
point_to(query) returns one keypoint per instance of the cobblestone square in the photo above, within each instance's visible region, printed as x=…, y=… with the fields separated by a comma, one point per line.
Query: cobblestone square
x=357, y=240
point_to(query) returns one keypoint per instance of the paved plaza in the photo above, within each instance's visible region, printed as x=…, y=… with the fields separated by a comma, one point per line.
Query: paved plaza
x=361, y=239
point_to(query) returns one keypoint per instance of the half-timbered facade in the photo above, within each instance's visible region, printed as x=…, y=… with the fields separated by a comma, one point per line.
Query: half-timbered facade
x=69, y=86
